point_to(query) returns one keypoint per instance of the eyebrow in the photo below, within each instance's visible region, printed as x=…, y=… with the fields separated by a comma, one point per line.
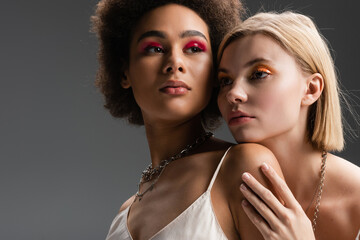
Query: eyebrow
x=192, y=33
x=254, y=61
x=152, y=34
x=248, y=64
x=185, y=34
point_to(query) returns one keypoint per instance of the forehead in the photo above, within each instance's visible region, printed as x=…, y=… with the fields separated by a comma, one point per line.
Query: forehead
x=257, y=46
x=171, y=19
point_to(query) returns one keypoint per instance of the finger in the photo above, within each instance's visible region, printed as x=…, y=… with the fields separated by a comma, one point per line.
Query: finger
x=260, y=206
x=280, y=186
x=265, y=194
x=256, y=219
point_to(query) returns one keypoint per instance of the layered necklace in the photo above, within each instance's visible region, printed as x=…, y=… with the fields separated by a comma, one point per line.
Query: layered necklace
x=153, y=173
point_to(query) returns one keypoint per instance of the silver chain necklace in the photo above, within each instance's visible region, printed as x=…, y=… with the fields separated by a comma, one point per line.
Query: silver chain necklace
x=149, y=173
x=319, y=189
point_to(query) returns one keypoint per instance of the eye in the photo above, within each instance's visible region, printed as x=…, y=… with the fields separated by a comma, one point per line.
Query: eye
x=194, y=47
x=225, y=81
x=193, y=50
x=152, y=47
x=260, y=73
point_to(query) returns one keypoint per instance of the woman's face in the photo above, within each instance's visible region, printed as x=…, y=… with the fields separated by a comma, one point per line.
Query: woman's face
x=261, y=90
x=170, y=64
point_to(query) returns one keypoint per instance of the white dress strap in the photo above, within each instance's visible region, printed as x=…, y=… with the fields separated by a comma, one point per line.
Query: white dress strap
x=217, y=170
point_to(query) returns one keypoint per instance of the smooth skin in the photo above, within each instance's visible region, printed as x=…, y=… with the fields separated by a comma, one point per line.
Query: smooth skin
x=263, y=82
x=165, y=51
x=285, y=220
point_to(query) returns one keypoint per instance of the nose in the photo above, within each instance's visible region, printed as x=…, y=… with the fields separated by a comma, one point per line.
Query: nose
x=174, y=62
x=236, y=94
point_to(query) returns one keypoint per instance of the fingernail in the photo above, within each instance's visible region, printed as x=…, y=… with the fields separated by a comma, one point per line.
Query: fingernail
x=264, y=166
x=246, y=176
x=245, y=203
x=242, y=187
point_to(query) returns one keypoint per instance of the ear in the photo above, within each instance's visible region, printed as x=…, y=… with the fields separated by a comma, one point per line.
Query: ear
x=125, y=82
x=314, y=88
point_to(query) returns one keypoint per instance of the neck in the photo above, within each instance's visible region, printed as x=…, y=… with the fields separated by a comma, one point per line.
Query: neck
x=300, y=163
x=167, y=139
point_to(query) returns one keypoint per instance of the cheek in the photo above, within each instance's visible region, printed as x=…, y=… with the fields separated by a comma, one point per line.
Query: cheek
x=200, y=67
x=270, y=100
x=142, y=82
x=201, y=71
x=222, y=102
x=143, y=71
x=281, y=101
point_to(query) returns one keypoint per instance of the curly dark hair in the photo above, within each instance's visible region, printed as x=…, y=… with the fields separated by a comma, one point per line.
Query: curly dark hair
x=113, y=23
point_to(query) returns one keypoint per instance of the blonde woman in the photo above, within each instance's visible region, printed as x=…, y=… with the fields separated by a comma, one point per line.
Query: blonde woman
x=279, y=89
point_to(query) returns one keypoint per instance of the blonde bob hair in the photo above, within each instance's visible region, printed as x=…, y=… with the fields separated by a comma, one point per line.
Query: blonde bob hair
x=299, y=36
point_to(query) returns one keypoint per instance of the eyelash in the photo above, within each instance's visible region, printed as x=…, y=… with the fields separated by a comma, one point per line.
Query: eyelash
x=225, y=81
x=222, y=81
x=195, y=47
x=261, y=70
x=192, y=47
x=152, y=47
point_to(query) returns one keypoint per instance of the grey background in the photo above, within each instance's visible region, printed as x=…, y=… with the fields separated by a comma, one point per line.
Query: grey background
x=66, y=164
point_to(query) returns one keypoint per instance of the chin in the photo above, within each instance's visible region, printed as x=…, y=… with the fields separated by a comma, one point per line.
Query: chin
x=178, y=115
x=246, y=141
x=247, y=138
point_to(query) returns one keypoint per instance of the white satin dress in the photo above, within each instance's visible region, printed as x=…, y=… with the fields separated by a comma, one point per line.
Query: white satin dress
x=197, y=222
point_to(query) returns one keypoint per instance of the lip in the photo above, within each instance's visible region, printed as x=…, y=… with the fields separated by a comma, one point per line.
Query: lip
x=174, y=87
x=238, y=118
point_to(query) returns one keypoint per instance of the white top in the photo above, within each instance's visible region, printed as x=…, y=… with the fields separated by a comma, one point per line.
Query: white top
x=197, y=222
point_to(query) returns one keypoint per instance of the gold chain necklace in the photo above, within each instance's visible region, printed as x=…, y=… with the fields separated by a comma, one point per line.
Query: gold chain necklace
x=149, y=173
x=319, y=189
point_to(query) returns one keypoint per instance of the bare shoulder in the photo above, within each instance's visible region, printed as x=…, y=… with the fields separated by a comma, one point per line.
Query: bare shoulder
x=248, y=157
x=127, y=203
x=344, y=183
x=344, y=175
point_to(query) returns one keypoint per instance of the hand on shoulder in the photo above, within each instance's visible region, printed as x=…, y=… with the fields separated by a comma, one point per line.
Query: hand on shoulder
x=278, y=214
x=248, y=157
x=241, y=158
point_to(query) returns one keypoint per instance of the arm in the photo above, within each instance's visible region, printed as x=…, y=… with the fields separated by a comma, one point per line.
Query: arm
x=245, y=158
